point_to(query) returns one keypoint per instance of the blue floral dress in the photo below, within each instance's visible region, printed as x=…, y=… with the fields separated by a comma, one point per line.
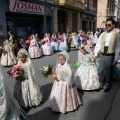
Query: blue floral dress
x=86, y=77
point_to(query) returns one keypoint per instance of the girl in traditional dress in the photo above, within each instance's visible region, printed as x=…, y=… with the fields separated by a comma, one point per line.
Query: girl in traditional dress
x=86, y=77
x=8, y=58
x=64, y=96
x=63, y=43
x=34, y=50
x=46, y=48
x=9, y=107
x=54, y=43
x=84, y=44
x=26, y=89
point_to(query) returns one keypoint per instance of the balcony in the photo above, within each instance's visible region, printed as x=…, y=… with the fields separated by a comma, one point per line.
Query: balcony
x=90, y=8
x=71, y=4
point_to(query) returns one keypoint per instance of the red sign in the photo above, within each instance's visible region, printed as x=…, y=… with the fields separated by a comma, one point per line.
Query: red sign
x=25, y=7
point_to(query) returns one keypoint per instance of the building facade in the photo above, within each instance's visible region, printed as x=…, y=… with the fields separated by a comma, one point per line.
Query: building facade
x=105, y=10
x=25, y=17
x=117, y=13
x=88, y=16
x=67, y=15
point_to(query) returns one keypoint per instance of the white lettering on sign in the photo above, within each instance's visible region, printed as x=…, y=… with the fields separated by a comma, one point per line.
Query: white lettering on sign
x=25, y=7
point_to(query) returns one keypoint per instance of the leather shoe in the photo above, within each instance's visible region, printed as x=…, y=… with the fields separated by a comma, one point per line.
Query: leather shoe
x=101, y=88
x=107, y=89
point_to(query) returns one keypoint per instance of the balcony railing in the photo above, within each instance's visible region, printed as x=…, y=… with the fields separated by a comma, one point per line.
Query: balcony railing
x=74, y=4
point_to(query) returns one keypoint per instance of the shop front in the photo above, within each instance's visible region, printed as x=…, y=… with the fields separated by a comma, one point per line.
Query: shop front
x=88, y=22
x=25, y=18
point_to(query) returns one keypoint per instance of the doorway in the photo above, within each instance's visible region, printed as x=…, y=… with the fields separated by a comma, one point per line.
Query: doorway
x=49, y=24
x=84, y=26
x=61, y=21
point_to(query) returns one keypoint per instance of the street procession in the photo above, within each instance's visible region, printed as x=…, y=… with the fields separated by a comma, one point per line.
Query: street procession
x=59, y=70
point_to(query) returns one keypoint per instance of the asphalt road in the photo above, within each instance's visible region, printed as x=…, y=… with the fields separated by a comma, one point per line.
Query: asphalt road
x=95, y=105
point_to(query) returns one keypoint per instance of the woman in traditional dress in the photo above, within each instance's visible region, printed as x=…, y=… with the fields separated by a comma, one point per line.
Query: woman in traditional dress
x=54, y=43
x=69, y=40
x=26, y=89
x=34, y=50
x=8, y=58
x=13, y=43
x=64, y=96
x=74, y=44
x=9, y=107
x=86, y=77
x=63, y=43
x=46, y=48
x=89, y=41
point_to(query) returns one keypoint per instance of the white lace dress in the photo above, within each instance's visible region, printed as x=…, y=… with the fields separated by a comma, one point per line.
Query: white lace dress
x=86, y=77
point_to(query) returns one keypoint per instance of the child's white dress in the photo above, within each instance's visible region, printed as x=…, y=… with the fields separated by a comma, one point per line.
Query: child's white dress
x=86, y=77
x=64, y=98
x=26, y=90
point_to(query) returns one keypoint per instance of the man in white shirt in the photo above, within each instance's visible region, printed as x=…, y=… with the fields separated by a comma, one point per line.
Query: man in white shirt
x=108, y=45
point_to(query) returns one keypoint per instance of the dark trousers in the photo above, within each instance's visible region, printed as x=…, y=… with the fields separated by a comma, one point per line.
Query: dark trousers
x=106, y=69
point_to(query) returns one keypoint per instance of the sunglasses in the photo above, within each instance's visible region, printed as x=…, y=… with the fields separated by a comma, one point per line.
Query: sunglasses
x=108, y=25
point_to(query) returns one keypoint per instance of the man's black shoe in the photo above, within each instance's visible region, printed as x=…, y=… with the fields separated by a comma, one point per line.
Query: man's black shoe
x=107, y=89
x=101, y=88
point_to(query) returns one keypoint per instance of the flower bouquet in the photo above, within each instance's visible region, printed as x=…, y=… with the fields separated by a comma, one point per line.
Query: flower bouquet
x=17, y=72
x=73, y=46
x=1, y=48
x=42, y=41
x=47, y=70
x=54, y=76
x=75, y=64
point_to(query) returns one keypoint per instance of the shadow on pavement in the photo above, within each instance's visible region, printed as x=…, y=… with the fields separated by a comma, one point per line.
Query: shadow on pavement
x=45, y=114
x=99, y=109
x=46, y=90
x=81, y=93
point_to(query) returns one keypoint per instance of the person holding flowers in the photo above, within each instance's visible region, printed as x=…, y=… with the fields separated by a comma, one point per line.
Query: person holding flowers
x=26, y=89
x=8, y=58
x=13, y=42
x=9, y=107
x=54, y=43
x=74, y=44
x=64, y=96
x=46, y=47
x=63, y=43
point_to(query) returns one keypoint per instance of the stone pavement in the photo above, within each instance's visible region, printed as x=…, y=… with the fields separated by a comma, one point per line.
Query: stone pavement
x=115, y=109
x=96, y=105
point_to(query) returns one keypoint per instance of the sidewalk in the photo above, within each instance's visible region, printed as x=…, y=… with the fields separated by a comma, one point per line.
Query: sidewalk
x=115, y=109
